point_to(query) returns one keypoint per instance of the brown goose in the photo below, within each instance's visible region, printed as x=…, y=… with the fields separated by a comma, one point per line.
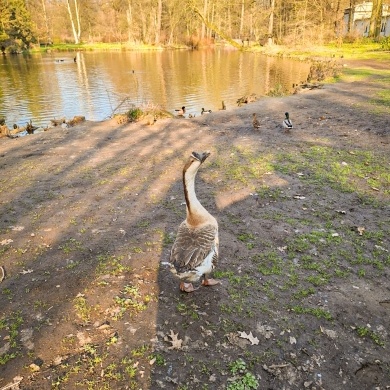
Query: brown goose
x=195, y=251
x=255, y=122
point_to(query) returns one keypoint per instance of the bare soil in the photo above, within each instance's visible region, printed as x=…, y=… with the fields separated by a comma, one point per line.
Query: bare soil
x=88, y=215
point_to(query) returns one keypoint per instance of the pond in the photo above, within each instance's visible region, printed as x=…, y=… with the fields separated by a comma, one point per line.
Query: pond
x=94, y=84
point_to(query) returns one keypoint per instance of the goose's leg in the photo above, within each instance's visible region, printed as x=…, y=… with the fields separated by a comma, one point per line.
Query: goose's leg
x=187, y=287
x=210, y=282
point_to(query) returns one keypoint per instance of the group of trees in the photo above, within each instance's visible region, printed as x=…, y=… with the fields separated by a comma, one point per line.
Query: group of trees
x=170, y=21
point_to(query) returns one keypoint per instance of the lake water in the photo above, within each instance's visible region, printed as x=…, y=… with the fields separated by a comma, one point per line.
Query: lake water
x=41, y=87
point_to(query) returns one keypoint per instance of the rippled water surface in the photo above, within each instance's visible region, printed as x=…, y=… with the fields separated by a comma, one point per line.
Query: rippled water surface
x=45, y=86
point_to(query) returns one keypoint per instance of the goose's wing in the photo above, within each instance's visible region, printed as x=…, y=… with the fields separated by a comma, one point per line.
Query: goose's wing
x=192, y=246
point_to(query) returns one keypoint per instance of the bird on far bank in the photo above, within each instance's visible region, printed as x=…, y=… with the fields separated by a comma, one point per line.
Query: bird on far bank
x=205, y=111
x=287, y=124
x=223, y=105
x=194, y=253
x=255, y=122
x=181, y=111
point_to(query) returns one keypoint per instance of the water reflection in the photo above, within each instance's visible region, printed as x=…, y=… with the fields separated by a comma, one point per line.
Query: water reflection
x=45, y=86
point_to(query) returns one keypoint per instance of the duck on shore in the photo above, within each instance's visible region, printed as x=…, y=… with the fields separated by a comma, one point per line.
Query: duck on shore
x=287, y=124
x=255, y=122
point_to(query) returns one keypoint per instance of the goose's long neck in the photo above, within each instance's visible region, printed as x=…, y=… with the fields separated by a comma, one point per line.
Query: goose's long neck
x=196, y=213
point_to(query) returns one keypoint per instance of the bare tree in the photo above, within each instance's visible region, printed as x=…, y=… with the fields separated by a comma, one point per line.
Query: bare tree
x=76, y=32
x=271, y=23
x=158, y=22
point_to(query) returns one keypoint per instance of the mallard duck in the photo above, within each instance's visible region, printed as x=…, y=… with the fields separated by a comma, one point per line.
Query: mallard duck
x=30, y=128
x=181, y=111
x=287, y=124
x=205, y=111
x=255, y=122
x=195, y=251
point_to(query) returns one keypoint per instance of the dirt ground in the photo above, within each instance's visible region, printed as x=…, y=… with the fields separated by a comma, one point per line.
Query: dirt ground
x=88, y=215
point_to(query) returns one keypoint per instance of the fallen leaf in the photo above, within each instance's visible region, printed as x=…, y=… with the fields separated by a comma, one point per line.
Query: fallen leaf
x=176, y=342
x=250, y=337
x=361, y=230
x=299, y=197
x=17, y=228
x=34, y=367
x=293, y=340
x=2, y=277
x=265, y=330
x=24, y=272
x=375, y=189
x=330, y=333
x=6, y=241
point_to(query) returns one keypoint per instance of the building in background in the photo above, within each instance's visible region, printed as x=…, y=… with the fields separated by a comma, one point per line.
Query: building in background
x=357, y=20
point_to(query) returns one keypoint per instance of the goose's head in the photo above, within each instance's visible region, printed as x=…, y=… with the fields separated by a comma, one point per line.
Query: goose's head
x=195, y=161
x=287, y=115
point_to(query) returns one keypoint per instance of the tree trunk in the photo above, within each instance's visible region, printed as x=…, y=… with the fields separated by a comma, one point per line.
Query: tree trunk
x=77, y=33
x=48, y=38
x=203, y=32
x=242, y=20
x=129, y=18
x=271, y=24
x=158, y=22
x=351, y=16
x=376, y=18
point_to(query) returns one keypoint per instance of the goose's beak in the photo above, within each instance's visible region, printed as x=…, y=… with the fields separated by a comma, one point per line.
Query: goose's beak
x=201, y=156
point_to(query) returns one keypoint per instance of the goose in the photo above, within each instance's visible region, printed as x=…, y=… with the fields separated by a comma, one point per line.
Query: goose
x=181, y=112
x=195, y=251
x=205, y=111
x=255, y=122
x=287, y=124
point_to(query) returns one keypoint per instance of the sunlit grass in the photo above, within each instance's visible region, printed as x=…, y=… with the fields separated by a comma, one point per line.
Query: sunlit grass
x=361, y=49
x=347, y=171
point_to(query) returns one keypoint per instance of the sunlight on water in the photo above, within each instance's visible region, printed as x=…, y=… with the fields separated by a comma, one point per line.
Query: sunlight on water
x=43, y=87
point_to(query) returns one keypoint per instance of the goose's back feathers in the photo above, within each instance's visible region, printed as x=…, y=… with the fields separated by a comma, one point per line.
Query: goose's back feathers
x=195, y=251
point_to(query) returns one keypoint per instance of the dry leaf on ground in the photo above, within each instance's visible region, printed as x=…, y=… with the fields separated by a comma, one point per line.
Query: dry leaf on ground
x=176, y=342
x=250, y=337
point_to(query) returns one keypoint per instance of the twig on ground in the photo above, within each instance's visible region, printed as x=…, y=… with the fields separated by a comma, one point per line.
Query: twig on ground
x=2, y=277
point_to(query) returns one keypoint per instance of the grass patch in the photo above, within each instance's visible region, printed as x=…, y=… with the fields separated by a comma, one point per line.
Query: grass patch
x=316, y=312
x=365, y=332
x=111, y=265
x=346, y=171
x=11, y=325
